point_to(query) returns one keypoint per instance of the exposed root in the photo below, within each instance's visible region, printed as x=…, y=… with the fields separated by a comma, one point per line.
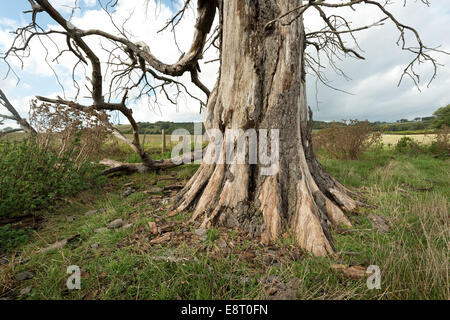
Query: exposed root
x=270, y=201
x=308, y=230
x=193, y=188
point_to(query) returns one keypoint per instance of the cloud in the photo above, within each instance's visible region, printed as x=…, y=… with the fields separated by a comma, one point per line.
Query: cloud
x=10, y=23
x=90, y=3
x=374, y=81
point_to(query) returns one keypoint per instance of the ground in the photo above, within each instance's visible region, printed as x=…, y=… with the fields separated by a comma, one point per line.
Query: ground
x=404, y=231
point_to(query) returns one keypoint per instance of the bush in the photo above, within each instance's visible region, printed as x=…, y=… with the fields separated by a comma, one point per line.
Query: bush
x=442, y=117
x=346, y=140
x=408, y=145
x=34, y=176
x=11, y=238
x=441, y=143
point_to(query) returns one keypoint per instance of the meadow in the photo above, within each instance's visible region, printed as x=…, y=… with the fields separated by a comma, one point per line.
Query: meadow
x=404, y=229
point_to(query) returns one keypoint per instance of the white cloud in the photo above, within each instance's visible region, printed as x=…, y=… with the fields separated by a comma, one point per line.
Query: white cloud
x=5, y=21
x=374, y=80
x=90, y=3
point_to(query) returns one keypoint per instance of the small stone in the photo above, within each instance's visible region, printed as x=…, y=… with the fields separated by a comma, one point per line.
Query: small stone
x=200, y=232
x=379, y=223
x=26, y=275
x=90, y=213
x=271, y=279
x=128, y=192
x=95, y=245
x=70, y=219
x=26, y=290
x=156, y=190
x=100, y=230
x=115, y=224
x=287, y=294
x=222, y=244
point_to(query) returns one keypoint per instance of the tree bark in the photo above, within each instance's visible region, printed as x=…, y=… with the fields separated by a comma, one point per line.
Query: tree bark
x=262, y=86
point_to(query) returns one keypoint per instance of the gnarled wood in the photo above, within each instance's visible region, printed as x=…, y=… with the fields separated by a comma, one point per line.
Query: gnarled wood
x=262, y=85
x=153, y=165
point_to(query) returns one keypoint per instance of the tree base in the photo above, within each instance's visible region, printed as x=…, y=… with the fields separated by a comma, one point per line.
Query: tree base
x=221, y=196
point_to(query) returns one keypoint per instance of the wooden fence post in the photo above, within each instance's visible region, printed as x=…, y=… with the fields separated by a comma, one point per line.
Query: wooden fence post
x=164, y=141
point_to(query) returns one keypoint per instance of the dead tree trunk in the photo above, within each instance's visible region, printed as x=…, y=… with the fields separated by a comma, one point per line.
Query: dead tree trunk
x=262, y=86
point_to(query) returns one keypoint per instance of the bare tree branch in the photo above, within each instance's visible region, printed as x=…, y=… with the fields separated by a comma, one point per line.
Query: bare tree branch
x=23, y=123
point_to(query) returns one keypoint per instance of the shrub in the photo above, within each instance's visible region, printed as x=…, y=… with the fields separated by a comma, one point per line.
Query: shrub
x=11, y=238
x=441, y=143
x=34, y=176
x=408, y=145
x=346, y=140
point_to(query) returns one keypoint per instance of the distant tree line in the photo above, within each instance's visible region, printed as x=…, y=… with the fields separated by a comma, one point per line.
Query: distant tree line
x=170, y=127
x=157, y=127
x=439, y=119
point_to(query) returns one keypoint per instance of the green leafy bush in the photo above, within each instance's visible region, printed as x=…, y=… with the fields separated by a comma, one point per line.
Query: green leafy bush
x=408, y=145
x=442, y=117
x=11, y=238
x=33, y=176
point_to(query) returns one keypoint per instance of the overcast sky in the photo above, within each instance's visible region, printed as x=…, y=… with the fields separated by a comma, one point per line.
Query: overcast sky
x=375, y=95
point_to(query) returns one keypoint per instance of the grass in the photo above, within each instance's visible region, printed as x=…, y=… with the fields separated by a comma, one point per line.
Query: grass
x=414, y=254
x=421, y=138
x=411, y=193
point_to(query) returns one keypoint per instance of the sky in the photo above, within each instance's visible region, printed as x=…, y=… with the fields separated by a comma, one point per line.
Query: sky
x=372, y=91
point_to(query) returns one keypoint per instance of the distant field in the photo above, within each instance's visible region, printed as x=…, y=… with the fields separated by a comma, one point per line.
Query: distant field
x=421, y=138
x=155, y=140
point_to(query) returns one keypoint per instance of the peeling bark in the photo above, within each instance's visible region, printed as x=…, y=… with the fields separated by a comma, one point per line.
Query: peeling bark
x=262, y=86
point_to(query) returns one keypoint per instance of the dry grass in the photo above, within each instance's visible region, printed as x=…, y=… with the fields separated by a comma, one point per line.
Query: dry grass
x=394, y=138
